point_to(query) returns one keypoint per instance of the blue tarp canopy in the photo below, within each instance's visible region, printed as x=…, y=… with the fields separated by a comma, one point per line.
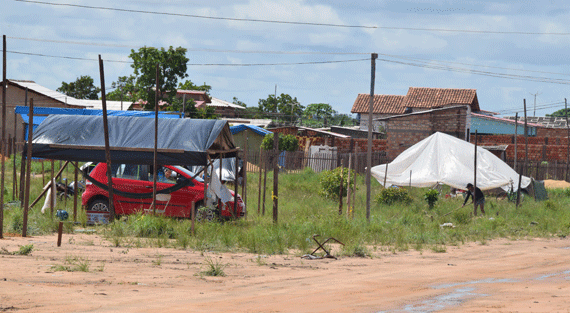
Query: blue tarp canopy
x=258, y=130
x=41, y=113
x=131, y=139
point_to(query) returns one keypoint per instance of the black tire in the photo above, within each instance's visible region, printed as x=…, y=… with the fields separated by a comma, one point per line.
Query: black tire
x=99, y=205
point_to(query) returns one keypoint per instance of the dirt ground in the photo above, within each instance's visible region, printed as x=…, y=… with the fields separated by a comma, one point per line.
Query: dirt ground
x=498, y=276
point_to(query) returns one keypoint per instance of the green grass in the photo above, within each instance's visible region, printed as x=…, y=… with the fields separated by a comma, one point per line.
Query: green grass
x=303, y=213
x=74, y=264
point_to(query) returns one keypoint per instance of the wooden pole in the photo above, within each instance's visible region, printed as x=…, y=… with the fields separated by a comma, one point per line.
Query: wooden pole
x=14, y=176
x=259, y=184
x=52, y=186
x=386, y=174
x=348, y=189
x=107, y=145
x=23, y=165
x=373, y=58
x=275, y=195
x=567, y=138
x=155, y=152
x=525, y=140
x=28, y=168
x=354, y=184
x=341, y=190
x=75, y=190
x=43, y=173
x=244, y=179
x=193, y=217
x=59, y=232
x=475, y=176
x=3, y=132
x=234, y=212
x=265, y=161
x=516, y=135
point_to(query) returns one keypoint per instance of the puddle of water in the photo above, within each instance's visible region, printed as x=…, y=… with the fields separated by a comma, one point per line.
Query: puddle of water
x=441, y=302
x=473, y=282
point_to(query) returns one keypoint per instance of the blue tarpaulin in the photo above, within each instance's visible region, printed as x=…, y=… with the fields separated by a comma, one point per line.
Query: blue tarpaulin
x=41, y=113
x=239, y=128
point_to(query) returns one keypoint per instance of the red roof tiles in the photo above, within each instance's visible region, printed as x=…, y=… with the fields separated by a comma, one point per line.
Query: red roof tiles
x=383, y=104
x=417, y=97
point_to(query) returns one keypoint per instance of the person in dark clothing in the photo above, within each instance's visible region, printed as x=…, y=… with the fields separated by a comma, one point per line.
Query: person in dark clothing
x=478, y=198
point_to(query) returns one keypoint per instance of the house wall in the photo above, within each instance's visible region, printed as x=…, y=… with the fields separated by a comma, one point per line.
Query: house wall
x=16, y=96
x=253, y=141
x=406, y=130
x=377, y=124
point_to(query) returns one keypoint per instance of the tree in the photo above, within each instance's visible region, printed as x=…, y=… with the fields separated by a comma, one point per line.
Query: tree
x=236, y=101
x=320, y=112
x=81, y=88
x=284, y=104
x=559, y=113
x=189, y=85
x=172, y=67
x=124, y=89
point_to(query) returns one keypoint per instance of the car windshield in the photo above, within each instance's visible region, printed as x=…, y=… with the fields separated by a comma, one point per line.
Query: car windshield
x=189, y=173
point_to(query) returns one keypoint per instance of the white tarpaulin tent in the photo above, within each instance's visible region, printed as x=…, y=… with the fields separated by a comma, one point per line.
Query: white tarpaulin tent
x=444, y=159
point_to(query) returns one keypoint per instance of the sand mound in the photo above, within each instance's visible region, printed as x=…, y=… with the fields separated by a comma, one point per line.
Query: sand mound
x=549, y=183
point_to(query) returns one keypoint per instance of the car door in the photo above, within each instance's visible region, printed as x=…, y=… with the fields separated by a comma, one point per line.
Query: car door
x=130, y=178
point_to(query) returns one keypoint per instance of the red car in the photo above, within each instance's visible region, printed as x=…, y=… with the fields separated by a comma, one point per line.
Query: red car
x=138, y=179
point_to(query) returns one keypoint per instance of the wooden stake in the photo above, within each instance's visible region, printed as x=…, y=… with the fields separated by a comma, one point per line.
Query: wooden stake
x=259, y=184
x=341, y=190
x=348, y=189
x=4, y=82
x=75, y=191
x=155, y=152
x=59, y=232
x=107, y=145
x=28, y=168
x=275, y=195
x=475, y=177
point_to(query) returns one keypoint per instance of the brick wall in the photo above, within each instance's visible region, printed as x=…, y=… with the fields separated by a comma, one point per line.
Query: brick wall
x=405, y=131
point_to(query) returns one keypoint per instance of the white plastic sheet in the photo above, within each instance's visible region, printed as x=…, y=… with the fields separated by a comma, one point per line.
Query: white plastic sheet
x=444, y=159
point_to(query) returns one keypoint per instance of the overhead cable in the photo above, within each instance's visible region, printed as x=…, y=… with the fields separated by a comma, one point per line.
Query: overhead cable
x=197, y=16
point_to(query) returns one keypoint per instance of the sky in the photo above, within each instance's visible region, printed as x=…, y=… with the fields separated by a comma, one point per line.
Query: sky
x=317, y=51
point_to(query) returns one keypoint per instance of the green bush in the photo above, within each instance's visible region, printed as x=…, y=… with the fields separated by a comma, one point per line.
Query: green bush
x=286, y=142
x=331, y=182
x=394, y=195
x=431, y=197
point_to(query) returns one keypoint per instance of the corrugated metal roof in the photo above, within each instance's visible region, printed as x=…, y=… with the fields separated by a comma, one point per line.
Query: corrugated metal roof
x=56, y=95
x=221, y=103
x=383, y=104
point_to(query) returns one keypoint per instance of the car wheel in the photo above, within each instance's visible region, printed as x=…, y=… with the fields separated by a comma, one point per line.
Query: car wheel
x=99, y=205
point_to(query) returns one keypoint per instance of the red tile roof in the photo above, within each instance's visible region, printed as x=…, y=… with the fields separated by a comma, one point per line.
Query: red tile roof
x=383, y=104
x=429, y=98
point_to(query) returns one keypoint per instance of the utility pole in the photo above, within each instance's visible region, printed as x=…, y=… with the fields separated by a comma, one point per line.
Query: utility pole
x=373, y=58
x=534, y=94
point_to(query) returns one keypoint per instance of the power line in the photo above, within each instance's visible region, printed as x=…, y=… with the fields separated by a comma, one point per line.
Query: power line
x=188, y=49
x=196, y=64
x=197, y=16
x=301, y=23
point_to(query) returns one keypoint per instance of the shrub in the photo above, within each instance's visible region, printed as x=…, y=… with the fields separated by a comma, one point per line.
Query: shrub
x=393, y=195
x=331, y=182
x=431, y=197
x=286, y=142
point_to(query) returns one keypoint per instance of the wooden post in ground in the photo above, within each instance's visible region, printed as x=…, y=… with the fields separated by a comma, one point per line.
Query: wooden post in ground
x=265, y=161
x=259, y=183
x=28, y=168
x=14, y=176
x=475, y=176
x=23, y=164
x=525, y=140
x=193, y=217
x=52, y=186
x=567, y=138
x=59, y=232
x=107, y=145
x=54, y=177
x=348, y=189
x=155, y=151
x=244, y=178
x=374, y=56
x=3, y=132
x=75, y=190
x=516, y=135
x=275, y=195
x=341, y=190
